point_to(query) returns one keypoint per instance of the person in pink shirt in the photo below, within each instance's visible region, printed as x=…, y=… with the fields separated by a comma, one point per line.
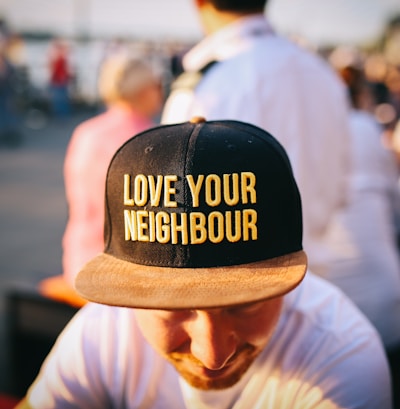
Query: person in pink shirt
x=132, y=93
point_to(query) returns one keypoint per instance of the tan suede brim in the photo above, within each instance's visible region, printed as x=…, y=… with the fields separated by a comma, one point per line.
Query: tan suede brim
x=109, y=280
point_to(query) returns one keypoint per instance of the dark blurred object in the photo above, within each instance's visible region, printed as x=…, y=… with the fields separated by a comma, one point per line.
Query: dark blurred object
x=20, y=102
x=9, y=132
x=32, y=104
x=360, y=92
x=382, y=77
x=8, y=402
x=34, y=322
x=176, y=64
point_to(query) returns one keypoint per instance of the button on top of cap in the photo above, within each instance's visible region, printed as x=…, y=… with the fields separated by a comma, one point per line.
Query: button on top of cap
x=197, y=120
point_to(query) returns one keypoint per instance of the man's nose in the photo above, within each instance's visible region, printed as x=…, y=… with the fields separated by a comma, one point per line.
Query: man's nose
x=213, y=340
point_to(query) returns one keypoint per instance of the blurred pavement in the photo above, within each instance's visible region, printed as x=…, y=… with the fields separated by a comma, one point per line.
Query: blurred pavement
x=33, y=209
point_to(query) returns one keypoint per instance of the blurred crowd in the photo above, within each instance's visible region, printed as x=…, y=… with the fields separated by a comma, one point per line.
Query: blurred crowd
x=44, y=78
x=381, y=89
x=53, y=78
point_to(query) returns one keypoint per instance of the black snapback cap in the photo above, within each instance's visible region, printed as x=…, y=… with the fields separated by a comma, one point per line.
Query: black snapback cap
x=198, y=215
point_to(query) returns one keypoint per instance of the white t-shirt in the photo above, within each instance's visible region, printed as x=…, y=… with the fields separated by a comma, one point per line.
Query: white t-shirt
x=264, y=79
x=323, y=354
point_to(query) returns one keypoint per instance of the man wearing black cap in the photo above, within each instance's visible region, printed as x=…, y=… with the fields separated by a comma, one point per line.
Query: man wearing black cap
x=207, y=301
x=244, y=70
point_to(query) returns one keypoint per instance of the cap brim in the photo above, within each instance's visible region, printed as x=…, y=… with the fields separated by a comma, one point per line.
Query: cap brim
x=112, y=281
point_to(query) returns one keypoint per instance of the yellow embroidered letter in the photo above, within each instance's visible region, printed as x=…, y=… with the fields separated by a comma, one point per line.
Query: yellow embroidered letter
x=248, y=181
x=195, y=188
x=213, y=190
x=169, y=190
x=128, y=201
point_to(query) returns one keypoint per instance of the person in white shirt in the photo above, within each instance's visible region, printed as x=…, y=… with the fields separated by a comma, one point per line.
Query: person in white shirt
x=207, y=298
x=366, y=262
x=244, y=70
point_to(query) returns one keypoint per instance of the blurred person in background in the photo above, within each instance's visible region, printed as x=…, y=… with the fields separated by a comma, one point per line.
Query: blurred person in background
x=394, y=141
x=60, y=77
x=366, y=263
x=131, y=90
x=243, y=70
x=384, y=79
x=9, y=130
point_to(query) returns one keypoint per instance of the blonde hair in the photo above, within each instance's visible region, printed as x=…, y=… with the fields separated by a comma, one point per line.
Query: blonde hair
x=122, y=76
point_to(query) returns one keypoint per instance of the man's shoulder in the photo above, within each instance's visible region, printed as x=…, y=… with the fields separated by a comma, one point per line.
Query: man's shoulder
x=275, y=62
x=105, y=318
x=331, y=343
x=327, y=309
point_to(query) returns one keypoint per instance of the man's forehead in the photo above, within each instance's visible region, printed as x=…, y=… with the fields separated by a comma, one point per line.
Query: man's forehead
x=218, y=309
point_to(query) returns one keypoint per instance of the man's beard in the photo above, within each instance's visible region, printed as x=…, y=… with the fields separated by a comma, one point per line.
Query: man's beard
x=235, y=369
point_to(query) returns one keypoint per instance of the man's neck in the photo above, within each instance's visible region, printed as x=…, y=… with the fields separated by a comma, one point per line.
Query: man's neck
x=214, y=20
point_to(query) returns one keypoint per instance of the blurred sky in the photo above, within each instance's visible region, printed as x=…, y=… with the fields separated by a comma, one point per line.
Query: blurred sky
x=319, y=21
